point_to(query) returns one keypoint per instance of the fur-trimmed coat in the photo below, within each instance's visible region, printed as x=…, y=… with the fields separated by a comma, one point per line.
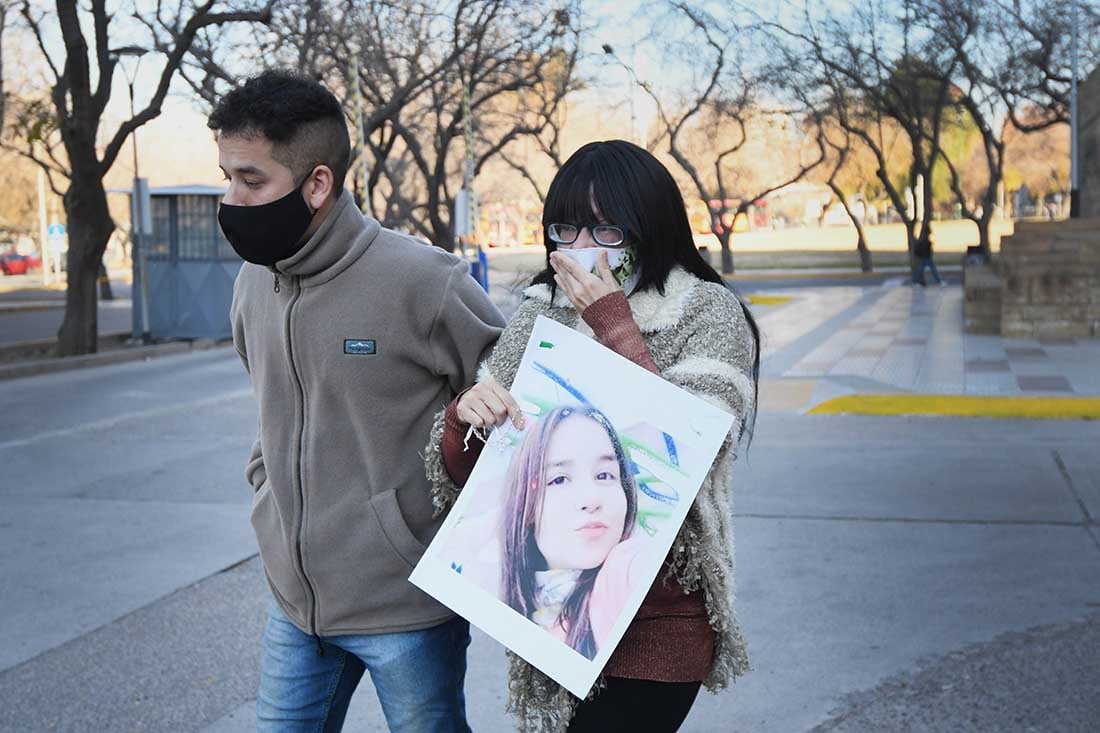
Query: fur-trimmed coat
x=700, y=340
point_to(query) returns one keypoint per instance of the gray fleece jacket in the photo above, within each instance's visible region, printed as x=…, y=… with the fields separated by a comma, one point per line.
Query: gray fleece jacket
x=352, y=345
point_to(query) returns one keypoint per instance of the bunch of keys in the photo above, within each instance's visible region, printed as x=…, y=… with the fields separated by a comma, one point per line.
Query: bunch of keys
x=501, y=439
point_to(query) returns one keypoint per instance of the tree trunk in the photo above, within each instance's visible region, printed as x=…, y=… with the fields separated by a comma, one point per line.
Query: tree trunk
x=80, y=328
x=443, y=234
x=989, y=205
x=910, y=242
x=105, y=292
x=861, y=238
x=983, y=235
x=727, y=253
x=865, y=264
x=90, y=226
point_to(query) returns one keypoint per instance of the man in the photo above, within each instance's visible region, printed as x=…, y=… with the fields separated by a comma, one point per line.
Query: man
x=923, y=252
x=354, y=336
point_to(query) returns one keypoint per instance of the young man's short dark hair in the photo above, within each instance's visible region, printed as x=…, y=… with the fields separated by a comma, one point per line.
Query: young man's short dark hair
x=302, y=119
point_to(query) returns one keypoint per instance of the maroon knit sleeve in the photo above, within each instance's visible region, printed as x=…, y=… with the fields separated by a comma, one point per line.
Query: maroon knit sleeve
x=458, y=461
x=613, y=323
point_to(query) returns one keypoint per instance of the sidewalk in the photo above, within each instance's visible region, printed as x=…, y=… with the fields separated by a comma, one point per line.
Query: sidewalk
x=908, y=343
x=893, y=349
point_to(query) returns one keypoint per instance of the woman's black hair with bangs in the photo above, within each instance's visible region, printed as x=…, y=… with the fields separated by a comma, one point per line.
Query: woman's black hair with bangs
x=633, y=190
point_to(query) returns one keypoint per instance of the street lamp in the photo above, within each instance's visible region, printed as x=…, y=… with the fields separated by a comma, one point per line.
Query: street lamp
x=116, y=55
x=607, y=49
x=137, y=251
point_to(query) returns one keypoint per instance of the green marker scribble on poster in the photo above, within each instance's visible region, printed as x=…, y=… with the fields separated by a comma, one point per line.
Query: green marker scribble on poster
x=649, y=519
x=631, y=444
x=545, y=345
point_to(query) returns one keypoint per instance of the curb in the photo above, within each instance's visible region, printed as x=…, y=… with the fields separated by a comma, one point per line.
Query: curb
x=1020, y=408
x=803, y=275
x=818, y=275
x=33, y=305
x=762, y=300
x=36, y=347
x=35, y=367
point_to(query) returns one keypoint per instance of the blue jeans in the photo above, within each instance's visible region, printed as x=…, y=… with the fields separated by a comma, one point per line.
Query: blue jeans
x=418, y=676
x=926, y=263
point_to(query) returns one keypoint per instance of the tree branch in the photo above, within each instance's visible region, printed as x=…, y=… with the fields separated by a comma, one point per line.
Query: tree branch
x=201, y=18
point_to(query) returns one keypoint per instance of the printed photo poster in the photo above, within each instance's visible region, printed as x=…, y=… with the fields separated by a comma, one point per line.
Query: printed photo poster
x=563, y=527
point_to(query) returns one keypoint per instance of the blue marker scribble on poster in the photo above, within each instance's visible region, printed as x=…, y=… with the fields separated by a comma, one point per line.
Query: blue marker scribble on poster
x=561, y=382
x=670, y=445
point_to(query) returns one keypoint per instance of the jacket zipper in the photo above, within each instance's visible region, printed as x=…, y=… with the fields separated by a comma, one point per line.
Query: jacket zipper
x=311, y=620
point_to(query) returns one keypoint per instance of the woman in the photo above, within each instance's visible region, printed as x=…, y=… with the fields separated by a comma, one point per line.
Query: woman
x=566, y=523
x=677, y=319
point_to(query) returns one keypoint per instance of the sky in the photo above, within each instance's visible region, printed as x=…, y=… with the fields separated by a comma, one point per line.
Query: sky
x=171, y=146
x=177, y=147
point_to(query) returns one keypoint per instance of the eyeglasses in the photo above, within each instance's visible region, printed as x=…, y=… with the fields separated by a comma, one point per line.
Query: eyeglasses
x=605, y=235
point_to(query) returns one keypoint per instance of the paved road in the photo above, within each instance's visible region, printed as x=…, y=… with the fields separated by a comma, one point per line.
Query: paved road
x=889, y=569
x=32, y=312
x=43, y=323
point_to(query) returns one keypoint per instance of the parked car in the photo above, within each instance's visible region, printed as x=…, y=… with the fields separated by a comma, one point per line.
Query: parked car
x=13, y=264
x=34, y=262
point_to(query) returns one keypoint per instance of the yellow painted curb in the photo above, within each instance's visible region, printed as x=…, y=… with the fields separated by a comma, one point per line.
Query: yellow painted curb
x=813, y=274
x=769, y=299
x=1029, y=408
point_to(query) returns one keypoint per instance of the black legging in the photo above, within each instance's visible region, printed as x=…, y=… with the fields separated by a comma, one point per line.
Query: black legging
x=632, y=706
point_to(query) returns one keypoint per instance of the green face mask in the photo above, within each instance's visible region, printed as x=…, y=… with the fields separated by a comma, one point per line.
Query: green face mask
x=626, y=271
x=623, y=262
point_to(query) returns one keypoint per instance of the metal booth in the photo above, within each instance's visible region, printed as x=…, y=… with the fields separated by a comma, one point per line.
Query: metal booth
x=183, y=266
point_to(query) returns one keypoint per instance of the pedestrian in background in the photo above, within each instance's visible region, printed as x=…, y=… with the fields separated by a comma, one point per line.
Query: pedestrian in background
x=923, y=253
x=353, y=336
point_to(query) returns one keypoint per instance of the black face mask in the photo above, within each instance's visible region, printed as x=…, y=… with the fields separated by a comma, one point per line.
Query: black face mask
x=267, y=233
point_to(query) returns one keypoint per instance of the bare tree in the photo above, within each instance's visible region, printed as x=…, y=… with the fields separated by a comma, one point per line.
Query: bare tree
x=872, y=65
x=966, y=25
x=1032, y=38
x=547, y=142
x=61, y=133
x=840, y=152
x=719, y=110
x=417, y=60
x=513, y=65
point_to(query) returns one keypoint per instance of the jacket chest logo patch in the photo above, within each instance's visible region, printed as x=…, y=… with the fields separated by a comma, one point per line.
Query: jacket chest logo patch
x=360, y=347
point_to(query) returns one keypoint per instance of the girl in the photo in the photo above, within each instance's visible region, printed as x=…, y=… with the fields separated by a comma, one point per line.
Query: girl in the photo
x=568, y=517
x=654, y=300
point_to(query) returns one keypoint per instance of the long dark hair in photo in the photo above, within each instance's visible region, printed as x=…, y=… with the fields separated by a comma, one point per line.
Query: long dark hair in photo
x=525, y=486
x=633, y=190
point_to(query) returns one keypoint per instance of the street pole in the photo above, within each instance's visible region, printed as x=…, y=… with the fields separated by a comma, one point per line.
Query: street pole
x=139, y=289
x=44, y=245
x=362, y=137
x=1074, y=152
x=464, y=219
x=137, y=254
